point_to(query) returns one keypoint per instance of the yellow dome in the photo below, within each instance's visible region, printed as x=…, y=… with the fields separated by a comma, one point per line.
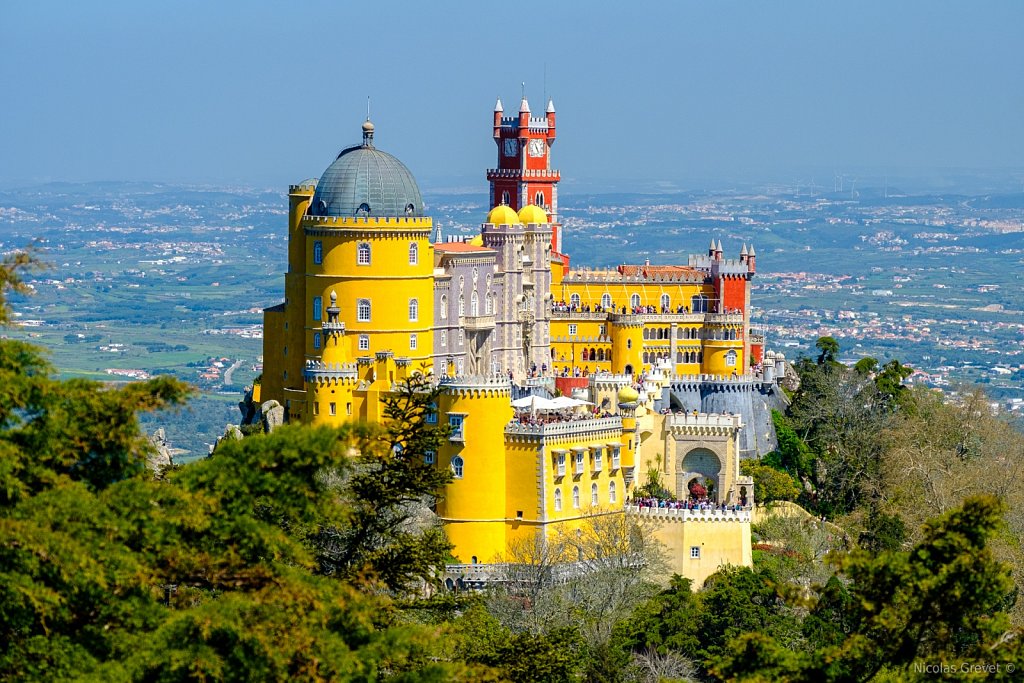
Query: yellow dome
x=477, y=241
x=502, y=215
x=531, y=213
x=628, y=394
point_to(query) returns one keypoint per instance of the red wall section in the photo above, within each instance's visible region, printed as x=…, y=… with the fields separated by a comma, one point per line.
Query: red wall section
x=733, y=293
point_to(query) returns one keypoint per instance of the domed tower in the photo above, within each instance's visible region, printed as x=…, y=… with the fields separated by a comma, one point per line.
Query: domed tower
x=361, y=237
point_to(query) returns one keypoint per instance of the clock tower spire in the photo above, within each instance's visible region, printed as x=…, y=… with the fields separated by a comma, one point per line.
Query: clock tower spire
x=524, y=175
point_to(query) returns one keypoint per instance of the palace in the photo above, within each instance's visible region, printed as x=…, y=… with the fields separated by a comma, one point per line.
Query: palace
x=656, y=367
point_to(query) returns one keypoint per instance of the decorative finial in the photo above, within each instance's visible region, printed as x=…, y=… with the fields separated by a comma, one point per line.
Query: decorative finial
x=551, y=106
x=334, y=297
x=367, y=133
x=498, y=107
x=367, y=107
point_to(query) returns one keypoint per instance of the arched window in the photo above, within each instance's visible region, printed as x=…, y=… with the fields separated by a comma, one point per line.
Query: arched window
x=634, y=301
x=504, y=197
x=558, y=500
x=363, y=254
x=593, y=354
x=318, y=252
x=457, y=467
x=538, y=199
x=593, y=494
x=611, y=492
x=629, y=343
x=576, y=497
x=462, y=283
x=600, y=354
x=606, y=300
x=462, y=305
x=730, y=359
x=363, y=310
x=647, y=357
x=444, y=307
x=414, y=253
x=489, y=304
x=318, y=308
x=414, y=310
x=679, y=356
x=647, y=333
x=584, y=354
x=316, y=340
x=474, y=304
x=574, y=300
x=666, y=302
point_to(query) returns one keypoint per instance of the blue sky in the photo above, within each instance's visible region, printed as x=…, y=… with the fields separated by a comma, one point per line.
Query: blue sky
x=660, y=93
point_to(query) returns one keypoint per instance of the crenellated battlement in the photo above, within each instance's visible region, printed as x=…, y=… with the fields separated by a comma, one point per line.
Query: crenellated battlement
x=363, y=222
x=731, y=514
x=476, y=386
x=497, y=173
x=318, y=371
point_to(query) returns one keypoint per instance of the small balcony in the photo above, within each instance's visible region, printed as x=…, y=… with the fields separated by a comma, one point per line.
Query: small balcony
x=477, y=323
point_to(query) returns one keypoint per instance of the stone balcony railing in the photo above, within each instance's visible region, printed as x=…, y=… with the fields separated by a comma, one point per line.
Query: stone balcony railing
x=579, y=315
x=682, y=420
x=565, y=428
x=477, y=323
x=684, y=515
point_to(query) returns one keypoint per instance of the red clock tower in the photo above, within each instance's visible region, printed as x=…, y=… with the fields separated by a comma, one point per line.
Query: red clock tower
x=524, y=174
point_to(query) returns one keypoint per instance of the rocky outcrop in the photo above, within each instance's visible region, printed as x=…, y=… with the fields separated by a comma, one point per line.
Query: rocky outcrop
x=159, y=458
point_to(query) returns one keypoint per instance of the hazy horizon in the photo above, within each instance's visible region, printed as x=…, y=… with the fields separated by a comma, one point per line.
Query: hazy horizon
x=653, y=96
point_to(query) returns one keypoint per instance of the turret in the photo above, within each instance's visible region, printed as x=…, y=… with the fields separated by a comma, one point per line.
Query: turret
x=524, y=115
x=751, y=260
x=551, y=121
x=718, y=251
x=498, y=110
x=743, y=253
x=711, y=248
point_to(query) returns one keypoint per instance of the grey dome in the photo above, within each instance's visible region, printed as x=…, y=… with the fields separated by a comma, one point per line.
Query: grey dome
x=364, y=181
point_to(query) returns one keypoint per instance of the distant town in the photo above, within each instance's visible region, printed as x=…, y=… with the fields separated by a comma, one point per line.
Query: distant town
x=149, y=279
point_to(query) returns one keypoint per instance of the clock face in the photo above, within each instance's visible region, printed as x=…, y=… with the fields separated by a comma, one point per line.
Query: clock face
x=511, y=147
x=536, y=148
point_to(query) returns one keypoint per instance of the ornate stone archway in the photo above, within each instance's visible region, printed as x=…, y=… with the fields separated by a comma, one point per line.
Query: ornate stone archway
x=699, y=463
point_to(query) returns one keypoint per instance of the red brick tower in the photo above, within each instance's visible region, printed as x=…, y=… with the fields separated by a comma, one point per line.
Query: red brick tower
x=524, y=174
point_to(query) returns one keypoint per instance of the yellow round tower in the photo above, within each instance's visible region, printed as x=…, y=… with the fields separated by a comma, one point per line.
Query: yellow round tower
x=474, y=506
x=723, y=350
x=368, y=242
x=627, y=346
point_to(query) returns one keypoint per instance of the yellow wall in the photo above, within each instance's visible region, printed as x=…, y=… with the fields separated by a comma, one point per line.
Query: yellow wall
x=720, y=542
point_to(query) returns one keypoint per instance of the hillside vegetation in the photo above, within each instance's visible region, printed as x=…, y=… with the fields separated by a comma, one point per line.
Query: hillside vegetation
x=309, y=554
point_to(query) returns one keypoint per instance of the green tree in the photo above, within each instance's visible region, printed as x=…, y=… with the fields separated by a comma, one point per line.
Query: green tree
x=770, y=484
x=943, y=601
x=390, y=530
x=828, y=349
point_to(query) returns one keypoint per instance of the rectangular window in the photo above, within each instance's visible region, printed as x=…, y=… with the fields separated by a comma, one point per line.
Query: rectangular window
x=316, y=407
x=413, y=341
x=364, y=342
x=429, y=457
x=597, y=459
x=694, y=552
x=579, y=462
x=444, y=338
x=572, y=330
x=334, y=408
x=318, y=307
x=615, y=458
x=603, y=330
x=561, y=464
x=456, y=423
x=431, y=416
x=318, y=252
x=462, y=337
x=348, y=408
